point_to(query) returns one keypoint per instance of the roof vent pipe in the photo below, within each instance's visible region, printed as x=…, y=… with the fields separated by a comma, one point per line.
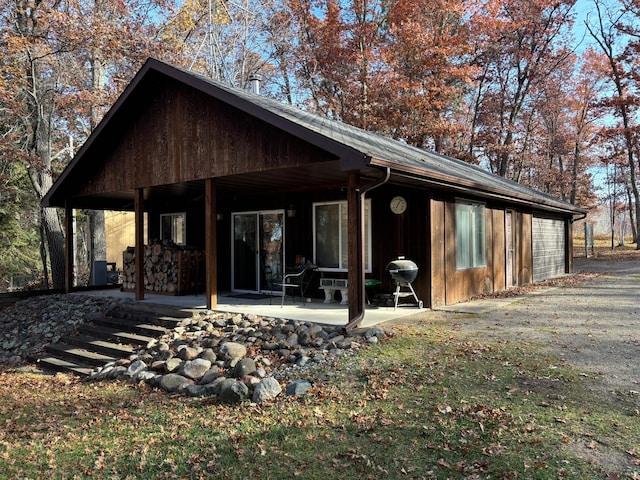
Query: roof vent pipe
x=254, y=83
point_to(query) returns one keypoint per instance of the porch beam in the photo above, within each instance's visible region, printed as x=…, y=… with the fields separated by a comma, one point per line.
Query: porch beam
x=139, y=225
x=69, y=250
x=355, y=234
x=211, y=243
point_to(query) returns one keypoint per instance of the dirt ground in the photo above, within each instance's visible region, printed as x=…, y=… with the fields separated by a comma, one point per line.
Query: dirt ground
x=591, y=320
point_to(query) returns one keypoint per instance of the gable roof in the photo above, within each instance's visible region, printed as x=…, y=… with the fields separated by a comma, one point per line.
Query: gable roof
x=356, y=148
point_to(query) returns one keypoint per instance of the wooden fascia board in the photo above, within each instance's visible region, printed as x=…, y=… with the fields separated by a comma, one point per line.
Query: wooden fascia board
x=471, y=187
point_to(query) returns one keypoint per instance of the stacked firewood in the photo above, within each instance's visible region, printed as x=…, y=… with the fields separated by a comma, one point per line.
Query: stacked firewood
x=168, y=268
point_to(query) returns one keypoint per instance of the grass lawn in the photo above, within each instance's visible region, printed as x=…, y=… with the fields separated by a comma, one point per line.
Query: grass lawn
x=426, y=403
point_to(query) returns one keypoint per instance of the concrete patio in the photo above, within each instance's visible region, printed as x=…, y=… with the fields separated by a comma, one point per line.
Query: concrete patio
x=314, y=311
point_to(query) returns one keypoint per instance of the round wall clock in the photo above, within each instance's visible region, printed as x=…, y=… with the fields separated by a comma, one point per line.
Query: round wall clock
x=398, y=205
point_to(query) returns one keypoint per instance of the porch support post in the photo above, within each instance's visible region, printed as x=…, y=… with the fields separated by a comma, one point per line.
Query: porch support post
x=69, y=250
x=139, y=223
x=211, y=240
x=356, y=252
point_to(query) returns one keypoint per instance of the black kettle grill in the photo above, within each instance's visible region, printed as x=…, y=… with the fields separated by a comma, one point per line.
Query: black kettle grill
x=403, y=272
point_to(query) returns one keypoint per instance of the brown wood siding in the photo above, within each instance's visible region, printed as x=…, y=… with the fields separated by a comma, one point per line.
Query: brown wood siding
x=464, y=284
x=438, y=241
x=460, y=285
x=499, y=250
x=157, y=148
x=524, y=253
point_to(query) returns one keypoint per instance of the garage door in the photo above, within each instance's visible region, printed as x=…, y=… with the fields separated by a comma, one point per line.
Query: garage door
x=548, y=248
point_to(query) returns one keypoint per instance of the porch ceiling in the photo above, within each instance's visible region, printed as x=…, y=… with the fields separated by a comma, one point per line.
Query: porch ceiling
x=309, y=177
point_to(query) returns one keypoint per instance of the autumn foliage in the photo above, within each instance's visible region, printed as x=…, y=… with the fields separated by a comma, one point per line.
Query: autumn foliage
x=509, y=85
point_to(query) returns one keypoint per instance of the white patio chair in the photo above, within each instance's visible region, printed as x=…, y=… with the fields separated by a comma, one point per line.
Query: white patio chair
x=292, y=281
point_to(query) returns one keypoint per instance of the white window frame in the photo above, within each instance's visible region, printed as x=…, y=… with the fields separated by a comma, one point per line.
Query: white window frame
x=468, y=253
x=172, y=235
x=343, y=265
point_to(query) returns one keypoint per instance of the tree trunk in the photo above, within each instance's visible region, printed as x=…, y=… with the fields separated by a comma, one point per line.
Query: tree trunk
x=55, y=240
x=98, y=249
x=632, y=221
x=98, y=243
x=43, y=254
x=574, y=173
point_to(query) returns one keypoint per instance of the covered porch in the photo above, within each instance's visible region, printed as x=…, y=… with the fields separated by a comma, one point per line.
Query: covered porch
x=262, y=305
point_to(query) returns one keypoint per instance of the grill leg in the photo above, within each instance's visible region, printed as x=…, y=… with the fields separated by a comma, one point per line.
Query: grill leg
x=414, y=293
x=397, y=295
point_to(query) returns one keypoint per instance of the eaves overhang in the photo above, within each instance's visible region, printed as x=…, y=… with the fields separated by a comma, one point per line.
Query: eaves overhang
x=421, y=177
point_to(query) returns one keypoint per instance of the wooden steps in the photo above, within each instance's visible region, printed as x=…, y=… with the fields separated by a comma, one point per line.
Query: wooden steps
x=115, y=336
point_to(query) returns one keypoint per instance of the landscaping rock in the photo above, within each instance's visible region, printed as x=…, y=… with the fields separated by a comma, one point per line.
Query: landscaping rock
x=298, y=387
x=244, y=367
x=28, y=325
x=173, y=364
x=118, y=372
x=196, y=390
x=173, y=382
x=209, y=354
x=196, y=369
x=188, y=353
x=215, y=387
x=233, y=356
x=211, y=375
x=233, y=393
x=233, y=351
x=374, y=332
x=144, y=376
x=266, y=390
x=136, y=367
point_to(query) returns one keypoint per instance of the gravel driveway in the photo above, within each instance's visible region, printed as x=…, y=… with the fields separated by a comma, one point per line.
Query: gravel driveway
x=595, y=326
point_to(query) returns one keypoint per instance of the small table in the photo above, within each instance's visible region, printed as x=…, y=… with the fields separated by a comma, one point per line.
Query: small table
x=370, y=283
x=330, y=285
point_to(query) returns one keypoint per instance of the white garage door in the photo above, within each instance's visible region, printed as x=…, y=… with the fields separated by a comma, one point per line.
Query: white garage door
x=548, y=248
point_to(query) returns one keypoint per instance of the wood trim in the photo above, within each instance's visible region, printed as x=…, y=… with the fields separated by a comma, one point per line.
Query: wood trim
x=211, y=244
x=525, y=249
x=139, y=222
x=499, y=252
x=438, y=282
x=69, y=251
x=356, y=249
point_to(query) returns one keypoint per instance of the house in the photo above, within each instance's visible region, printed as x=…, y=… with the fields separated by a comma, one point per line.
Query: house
x=259, y=186
x=120, y=233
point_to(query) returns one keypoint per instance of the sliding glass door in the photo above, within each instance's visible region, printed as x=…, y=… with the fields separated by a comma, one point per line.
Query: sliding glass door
x=258, y=250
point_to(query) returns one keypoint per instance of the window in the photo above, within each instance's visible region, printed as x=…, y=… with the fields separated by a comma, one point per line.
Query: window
x=470, y=235
x=173, y=227
x=330, y=243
